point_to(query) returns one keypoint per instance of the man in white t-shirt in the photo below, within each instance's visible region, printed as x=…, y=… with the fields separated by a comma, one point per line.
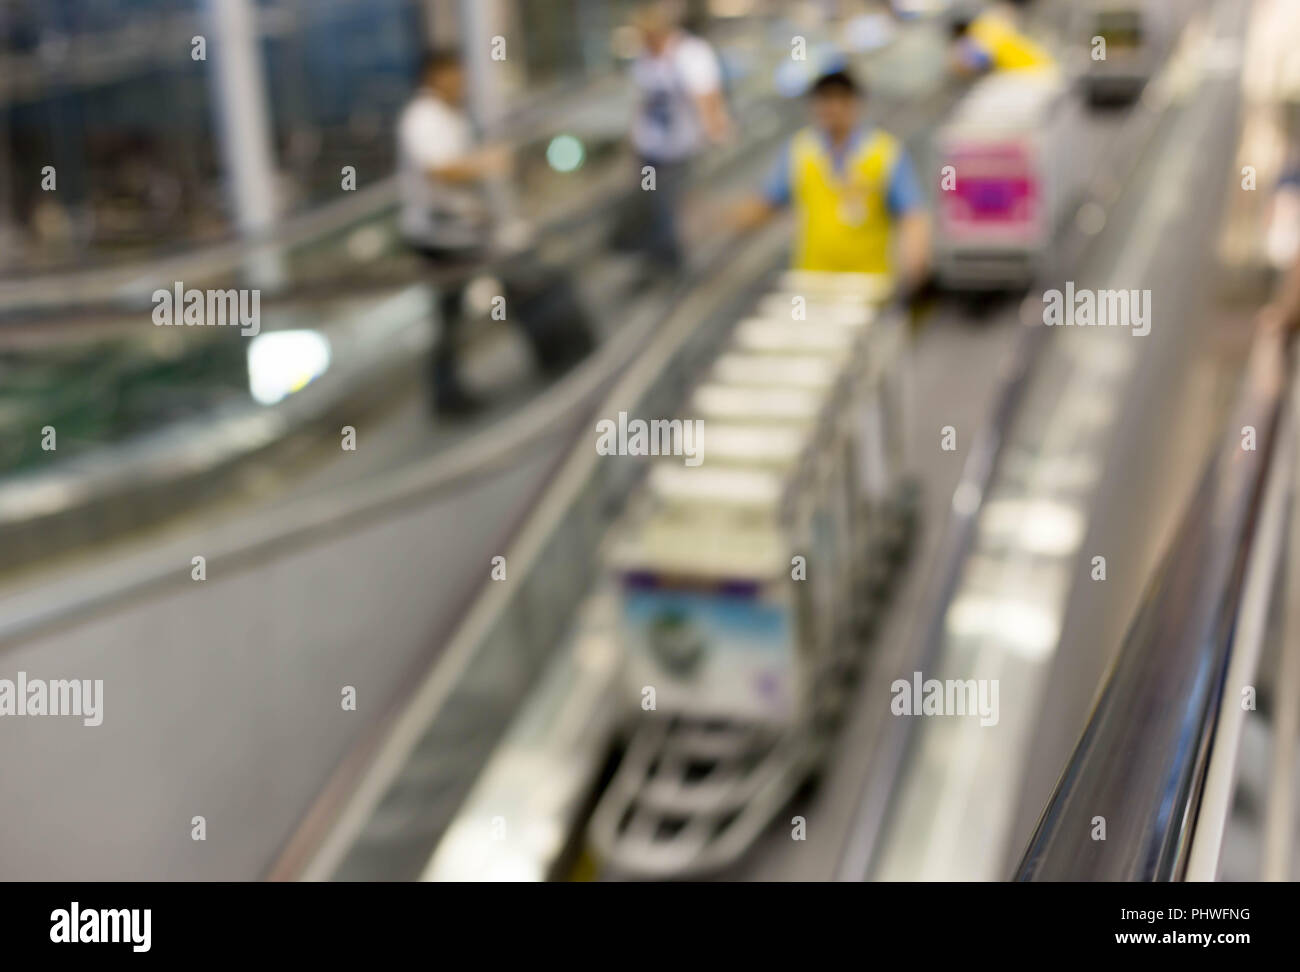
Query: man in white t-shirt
x=445, y=215
x=680, y=110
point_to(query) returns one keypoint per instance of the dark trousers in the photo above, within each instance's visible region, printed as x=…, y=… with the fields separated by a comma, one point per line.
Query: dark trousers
x=453, y=269
x=658, y=212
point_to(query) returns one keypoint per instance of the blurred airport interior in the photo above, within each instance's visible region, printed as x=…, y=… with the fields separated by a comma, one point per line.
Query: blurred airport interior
x=852, y=440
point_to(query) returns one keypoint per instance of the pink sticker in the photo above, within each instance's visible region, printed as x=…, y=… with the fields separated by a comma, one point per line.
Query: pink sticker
x=996, y=188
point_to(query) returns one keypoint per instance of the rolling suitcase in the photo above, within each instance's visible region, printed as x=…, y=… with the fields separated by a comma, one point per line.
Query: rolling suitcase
x=550, y=313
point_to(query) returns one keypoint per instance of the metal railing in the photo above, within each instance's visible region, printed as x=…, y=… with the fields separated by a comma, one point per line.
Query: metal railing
x=117, y=286
x=875, y=808
x=135, y=478
x=1139, y=772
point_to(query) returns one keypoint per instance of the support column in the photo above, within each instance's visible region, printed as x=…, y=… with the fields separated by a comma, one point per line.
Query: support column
x=244, y=132
x=481, y=20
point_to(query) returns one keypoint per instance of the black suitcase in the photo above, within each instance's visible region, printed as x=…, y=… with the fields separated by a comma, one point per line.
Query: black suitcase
x=546, y=306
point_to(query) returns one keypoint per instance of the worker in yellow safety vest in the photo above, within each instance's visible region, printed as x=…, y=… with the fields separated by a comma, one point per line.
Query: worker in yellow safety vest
x=989, y=41
x=857, y=202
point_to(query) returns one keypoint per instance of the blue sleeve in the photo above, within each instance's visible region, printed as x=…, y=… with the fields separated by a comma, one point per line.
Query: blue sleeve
x=904, y=193
x=776, y=190
x=976, y=56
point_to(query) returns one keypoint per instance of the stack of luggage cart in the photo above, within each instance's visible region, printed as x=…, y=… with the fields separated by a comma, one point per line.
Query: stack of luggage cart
x=748, y=584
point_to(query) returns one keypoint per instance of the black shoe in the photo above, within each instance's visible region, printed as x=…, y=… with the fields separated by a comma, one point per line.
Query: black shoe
x=455, y=402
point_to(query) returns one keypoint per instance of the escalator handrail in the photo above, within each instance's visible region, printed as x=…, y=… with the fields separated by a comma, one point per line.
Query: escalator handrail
x=1140, y=765
x=265, y=535
x=112, y=283
x=103, y=281
x=867, y=836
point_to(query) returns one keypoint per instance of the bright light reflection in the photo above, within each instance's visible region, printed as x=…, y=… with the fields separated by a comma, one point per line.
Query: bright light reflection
x=283, y=362
x=1027, y=629
x=1040, y=527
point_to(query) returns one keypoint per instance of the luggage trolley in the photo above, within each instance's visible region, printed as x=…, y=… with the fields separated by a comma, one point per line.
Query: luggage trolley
x=1131, y=55
x=759, y=372
x=1013, y=147
x=881, y=411
x=876, y=411
x=828, y=557
x=750, y=666
x=714, y=623
x=871, y=288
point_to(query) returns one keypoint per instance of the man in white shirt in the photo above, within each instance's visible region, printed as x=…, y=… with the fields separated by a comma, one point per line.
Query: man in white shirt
x=680, y=110
x=445, y=215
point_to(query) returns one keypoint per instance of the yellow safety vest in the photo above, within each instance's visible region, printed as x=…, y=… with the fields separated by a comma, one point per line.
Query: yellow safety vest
x=1008, y=49
x=844, y=223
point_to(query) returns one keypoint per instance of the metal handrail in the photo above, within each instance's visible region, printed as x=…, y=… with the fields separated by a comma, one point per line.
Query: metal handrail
x=267, y=535
x=977, y=474
x=116, y=282
x=333, y=825
x=241, y=436
x=874, y=807
x=273, y=533
x=1140, y=767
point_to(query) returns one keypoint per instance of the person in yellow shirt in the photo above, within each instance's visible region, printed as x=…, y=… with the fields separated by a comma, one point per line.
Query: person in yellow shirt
x=858, y=205
x=990, y=41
